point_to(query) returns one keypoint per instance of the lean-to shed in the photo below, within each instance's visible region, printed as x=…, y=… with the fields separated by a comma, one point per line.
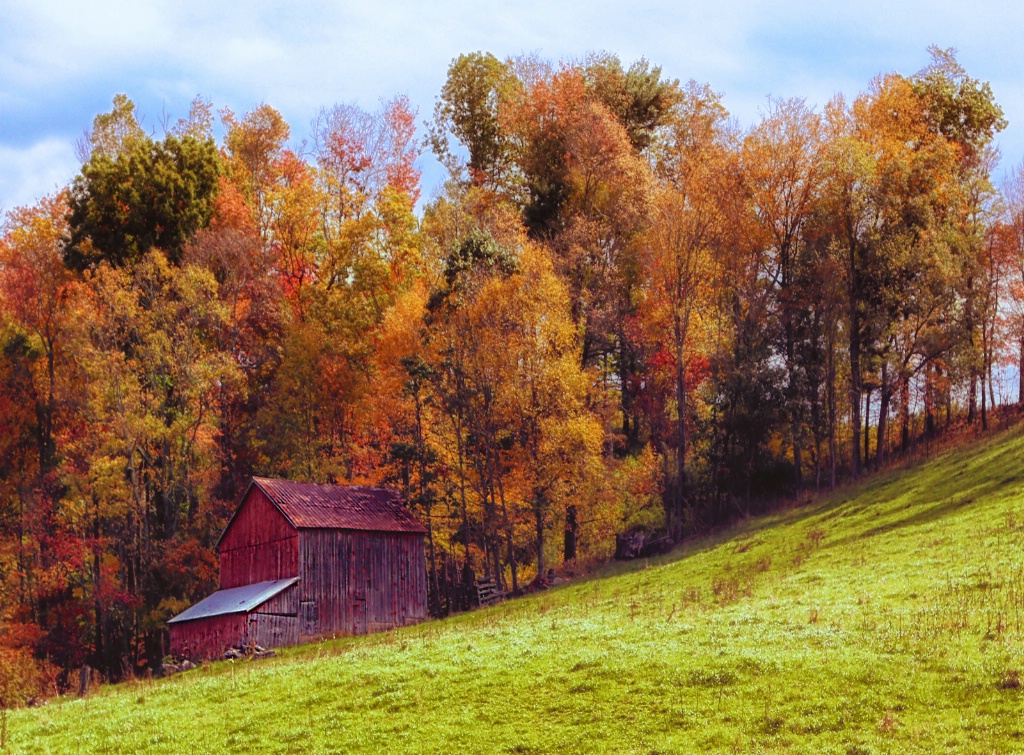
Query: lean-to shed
x=303, y=560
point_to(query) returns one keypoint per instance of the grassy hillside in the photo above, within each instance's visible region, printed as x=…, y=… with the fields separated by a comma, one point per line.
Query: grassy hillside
x=883, y=619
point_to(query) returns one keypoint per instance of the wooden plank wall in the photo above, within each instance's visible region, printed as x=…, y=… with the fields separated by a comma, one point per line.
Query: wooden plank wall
x=273, y=631
x=275, y=622
x=207, y=638
x=259, y=545
x=354, y=582
x=285, y=603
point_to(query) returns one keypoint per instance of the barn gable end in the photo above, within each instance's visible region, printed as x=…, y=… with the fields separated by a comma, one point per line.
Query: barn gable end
x=259, y=543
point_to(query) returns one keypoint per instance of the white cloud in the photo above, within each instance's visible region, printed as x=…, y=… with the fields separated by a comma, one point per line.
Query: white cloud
x=31, y=173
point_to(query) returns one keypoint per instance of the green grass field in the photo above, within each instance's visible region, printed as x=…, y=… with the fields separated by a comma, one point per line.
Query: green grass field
x=886, y=618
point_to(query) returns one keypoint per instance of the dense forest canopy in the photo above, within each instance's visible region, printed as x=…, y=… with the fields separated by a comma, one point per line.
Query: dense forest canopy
x=622, y=312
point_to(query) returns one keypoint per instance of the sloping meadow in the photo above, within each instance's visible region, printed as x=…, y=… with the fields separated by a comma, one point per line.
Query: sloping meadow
x=886, y=618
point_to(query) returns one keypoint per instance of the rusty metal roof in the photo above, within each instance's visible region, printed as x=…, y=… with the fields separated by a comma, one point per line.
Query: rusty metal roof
x=309, y=505
x=234, y=600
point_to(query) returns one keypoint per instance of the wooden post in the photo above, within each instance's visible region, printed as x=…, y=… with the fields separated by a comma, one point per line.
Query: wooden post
x=83, y=681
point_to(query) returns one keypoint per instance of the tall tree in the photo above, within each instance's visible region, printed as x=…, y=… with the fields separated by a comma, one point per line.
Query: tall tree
x=150, y=194
x=782, y=168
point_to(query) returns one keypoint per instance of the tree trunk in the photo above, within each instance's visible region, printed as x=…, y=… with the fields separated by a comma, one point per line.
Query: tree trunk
x=991, y=385
x=680, y=497
x=984, y=404
x=867, y=427
x=793, y=389
x=97, y=603
x=1020, y=372
x=929, y=403
x=883, y=417
x=904, y=413
x=538, y=519
x=460, y=451
x=629, y=429
x=509, y=543
x=571, y=533
x=855, y=390
x=831, y=410
x=972, y=397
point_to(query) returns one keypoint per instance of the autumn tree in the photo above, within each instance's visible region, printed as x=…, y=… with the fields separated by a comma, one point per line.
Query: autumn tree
x=782, y=169
x=962, y=111
x=33, y=285
x=138, y=472
x=138, y=195
x=679, y=259
x=255, y=146
x=467, y=111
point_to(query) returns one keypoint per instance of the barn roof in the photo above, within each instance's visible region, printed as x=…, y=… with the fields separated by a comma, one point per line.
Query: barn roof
x=309, y=505
x=234, y=600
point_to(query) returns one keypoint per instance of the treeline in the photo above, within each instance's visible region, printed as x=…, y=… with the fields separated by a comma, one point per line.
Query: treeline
x=620, y=312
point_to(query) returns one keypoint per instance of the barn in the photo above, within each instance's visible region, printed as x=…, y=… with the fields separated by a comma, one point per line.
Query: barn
x=302, y=560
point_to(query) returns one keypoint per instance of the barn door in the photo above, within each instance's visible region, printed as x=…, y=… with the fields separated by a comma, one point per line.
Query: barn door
x=359, y=582
x=308, y=617
x=359, y=614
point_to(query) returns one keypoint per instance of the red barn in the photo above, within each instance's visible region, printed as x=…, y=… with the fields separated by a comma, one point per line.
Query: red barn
x=301, y=560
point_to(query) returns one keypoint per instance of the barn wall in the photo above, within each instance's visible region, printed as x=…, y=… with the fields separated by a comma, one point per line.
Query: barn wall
x=259, y=544
x=275, y=622
x=285, y=603
x=207, y=638
x=273, y=631
x=356, y=582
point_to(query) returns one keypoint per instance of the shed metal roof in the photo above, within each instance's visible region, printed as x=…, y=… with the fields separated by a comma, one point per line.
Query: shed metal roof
x=353, y=507
x=234, y=600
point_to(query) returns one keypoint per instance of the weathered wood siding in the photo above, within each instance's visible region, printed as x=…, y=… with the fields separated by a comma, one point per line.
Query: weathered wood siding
x=285, y=603
x=259, y=544
x=275, y=623
x=354, y=582
x=273, y=631
x=207, y=638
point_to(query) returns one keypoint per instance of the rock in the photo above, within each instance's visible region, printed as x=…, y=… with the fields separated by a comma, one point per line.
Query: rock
x=262, y=654
x=168, y=668
x=628, y=545
x=656, y=546
x=186, y=665
x=638, y=544
x=233, y=654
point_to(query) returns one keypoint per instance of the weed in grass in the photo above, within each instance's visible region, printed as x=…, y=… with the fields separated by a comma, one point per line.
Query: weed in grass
x=889, y=723
x=815, y=536
x=1011, y=679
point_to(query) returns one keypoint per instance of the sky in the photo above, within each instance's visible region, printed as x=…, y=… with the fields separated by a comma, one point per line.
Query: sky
x=61, y=63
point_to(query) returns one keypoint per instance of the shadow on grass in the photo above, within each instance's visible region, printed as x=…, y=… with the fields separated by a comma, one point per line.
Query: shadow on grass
x=938, y=488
